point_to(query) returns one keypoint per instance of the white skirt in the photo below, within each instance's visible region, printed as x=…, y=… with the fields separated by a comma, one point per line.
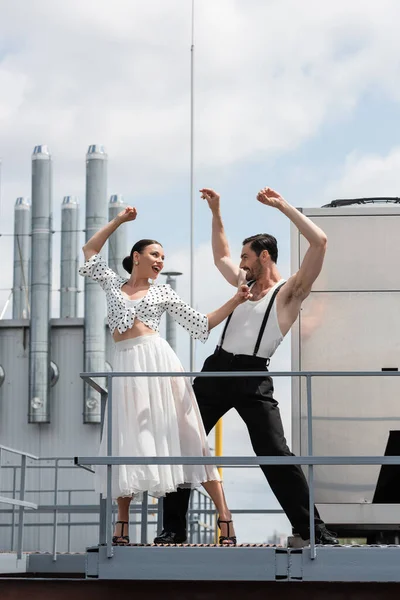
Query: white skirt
x=153, y=416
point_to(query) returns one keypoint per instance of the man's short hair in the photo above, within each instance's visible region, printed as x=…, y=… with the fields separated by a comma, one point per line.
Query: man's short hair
x=263, y=241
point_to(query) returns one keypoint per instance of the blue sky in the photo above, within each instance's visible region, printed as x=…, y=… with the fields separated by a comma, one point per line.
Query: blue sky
x=300, y=96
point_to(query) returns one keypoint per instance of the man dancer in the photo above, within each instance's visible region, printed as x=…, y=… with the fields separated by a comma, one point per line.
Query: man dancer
x=250, y=337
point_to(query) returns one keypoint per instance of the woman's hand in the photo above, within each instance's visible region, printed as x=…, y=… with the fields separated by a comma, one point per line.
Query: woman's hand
x=219, y=315
x=243, y=294
x=128, y=214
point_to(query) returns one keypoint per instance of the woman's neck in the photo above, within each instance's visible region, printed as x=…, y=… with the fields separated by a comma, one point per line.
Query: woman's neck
x=138, y=283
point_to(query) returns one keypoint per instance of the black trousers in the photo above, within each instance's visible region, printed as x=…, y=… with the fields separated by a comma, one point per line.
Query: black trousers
x=253, y=399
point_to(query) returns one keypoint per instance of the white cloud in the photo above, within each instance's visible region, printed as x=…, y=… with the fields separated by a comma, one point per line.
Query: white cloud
x=118, y=73
x=368, y=175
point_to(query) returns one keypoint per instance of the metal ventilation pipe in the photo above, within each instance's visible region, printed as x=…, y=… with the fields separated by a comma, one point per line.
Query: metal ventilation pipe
x=22, y=252
x=170, y=333
x=39, y=368
x=95, y=333
x=69, y=257
x=117, y=241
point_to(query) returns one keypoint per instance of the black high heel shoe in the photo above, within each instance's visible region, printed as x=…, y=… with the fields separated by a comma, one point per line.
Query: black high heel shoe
x=121, y=539
x=226, y=540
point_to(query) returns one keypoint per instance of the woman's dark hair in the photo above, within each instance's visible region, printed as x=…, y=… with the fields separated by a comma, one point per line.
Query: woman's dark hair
x=127, y=263
x=263, y=241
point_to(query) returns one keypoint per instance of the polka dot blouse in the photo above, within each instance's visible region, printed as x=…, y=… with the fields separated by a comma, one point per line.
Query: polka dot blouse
x=159, y=298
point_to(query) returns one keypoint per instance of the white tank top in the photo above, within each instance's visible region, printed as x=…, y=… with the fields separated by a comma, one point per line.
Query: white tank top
x=131, y=304
x=245, y=324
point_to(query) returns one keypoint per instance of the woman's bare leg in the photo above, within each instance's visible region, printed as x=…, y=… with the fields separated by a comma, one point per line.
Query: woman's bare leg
x=123, y=515
x=216, y=491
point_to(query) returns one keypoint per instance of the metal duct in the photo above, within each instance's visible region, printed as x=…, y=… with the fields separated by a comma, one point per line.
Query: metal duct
x=170, y=333
x=2, y=375
x=69, y=257
x=96, y=217
x=22, y=252
x=39, y=368
x=117, y=242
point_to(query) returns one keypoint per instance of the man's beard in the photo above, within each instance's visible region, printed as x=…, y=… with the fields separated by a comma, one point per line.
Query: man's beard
x=255, y=272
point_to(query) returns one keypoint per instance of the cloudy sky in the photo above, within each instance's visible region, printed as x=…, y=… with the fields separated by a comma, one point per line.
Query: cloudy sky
x=301, y=96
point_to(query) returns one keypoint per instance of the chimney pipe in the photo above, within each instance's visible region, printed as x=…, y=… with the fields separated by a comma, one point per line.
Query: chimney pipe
x=22, y=251
x=69, y=257
x=96, y=217
x=117, y=243
x=170, y=333
x=39, y=369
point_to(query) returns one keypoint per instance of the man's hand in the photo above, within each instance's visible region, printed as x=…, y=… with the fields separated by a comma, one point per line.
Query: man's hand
x=128, y=214
x=212, y=198
x=271, y=198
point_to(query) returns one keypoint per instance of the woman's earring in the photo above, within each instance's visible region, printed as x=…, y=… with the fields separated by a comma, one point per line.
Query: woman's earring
x=136, y=262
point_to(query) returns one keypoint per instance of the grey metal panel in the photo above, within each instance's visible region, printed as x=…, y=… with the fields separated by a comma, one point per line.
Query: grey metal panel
x=366, y=514
x=352, y=564
x=92, y=563
x=350, y=331
x=295, y=560
x=362, y=252
x=185, y=563
x=62, y=437
x=68, y=433
x=351, y=323
x=14, y=427
x=65, y=563
x=281, y=564
x=10, y=564
x=353, y=211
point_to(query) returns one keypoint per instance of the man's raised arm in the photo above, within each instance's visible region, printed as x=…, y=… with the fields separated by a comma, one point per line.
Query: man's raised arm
x=299, y=285
x=220, y=246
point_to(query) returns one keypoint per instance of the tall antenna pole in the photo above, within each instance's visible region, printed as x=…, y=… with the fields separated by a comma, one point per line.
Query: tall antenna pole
x=192, y=183
x=1, y=165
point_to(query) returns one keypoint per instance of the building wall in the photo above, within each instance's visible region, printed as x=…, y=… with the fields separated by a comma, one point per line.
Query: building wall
x=65, y=436
x=350, y=322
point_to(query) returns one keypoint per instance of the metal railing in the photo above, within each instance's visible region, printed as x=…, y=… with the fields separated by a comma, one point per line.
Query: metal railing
x=309, y=460
x=20, y=502
x=200, y=514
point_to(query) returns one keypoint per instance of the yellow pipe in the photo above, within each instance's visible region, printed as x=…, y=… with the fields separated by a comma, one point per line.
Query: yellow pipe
x=218, y=442
x=218, y=452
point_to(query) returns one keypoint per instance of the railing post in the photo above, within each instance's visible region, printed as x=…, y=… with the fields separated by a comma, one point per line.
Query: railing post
x=69, y=523
x=313, y=553
x=109, y=467
x=191, y=522
x=55, y=514
x=103, y=521
x=102, y=501
x=143, y=525
x=14, y=468
x=21, y=508
x=160, y=511
x=199, y=518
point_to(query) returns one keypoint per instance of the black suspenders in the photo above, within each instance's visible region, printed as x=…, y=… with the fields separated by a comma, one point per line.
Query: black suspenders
x=263, y=324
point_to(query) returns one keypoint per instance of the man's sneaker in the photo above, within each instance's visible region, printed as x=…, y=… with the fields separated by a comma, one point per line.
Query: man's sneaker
x=170, y=537
x=324, y=536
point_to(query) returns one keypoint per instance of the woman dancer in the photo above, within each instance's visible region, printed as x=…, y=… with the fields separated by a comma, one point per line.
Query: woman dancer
x=152, y=416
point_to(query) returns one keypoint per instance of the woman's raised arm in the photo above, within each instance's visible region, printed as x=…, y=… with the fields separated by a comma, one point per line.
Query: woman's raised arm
x=97, y=241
